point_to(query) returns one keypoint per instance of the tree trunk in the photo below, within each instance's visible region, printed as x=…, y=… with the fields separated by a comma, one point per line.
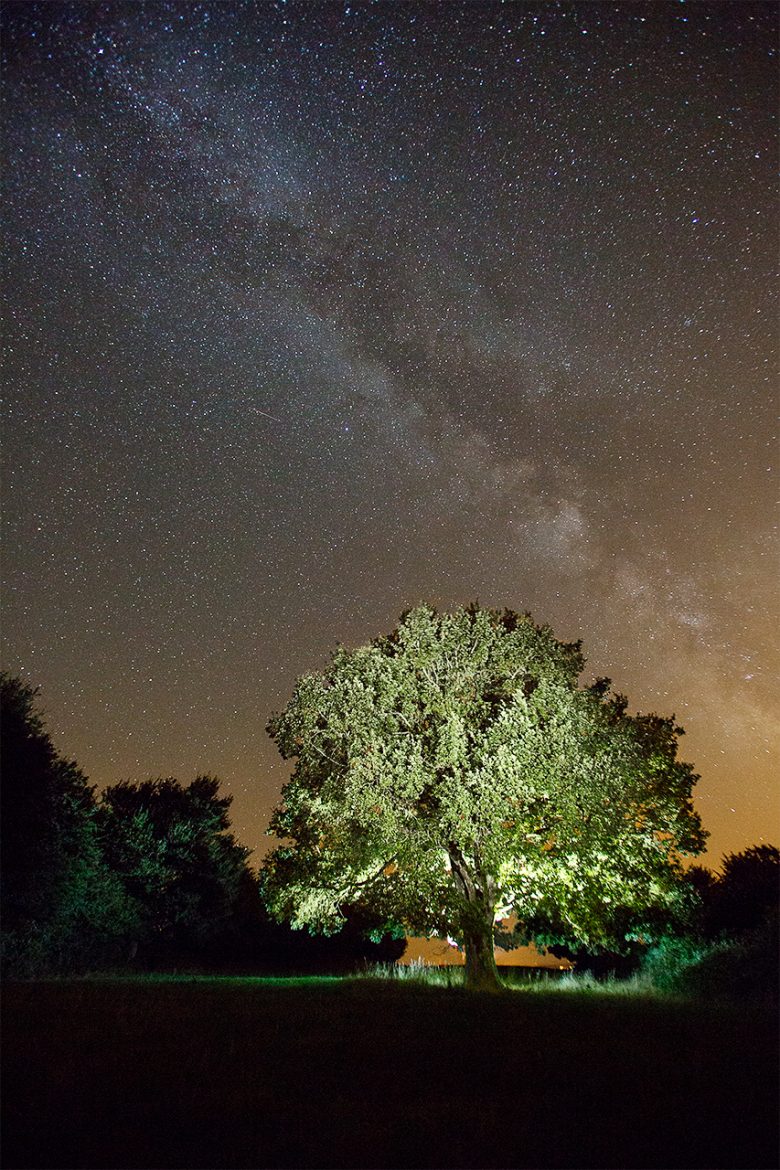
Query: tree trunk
x=481, y=970
x=477, y=891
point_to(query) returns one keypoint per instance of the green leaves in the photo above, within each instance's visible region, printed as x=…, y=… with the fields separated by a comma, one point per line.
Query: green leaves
x=468, y=731
x=171, y=846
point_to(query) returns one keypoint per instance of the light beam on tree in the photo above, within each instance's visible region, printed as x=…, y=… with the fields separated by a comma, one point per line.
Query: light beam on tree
x=455, y=771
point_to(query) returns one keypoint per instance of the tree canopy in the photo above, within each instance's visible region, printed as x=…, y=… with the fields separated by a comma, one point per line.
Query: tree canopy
x=62, y=906
x=746, y=892
x=455, y=772
x=172, y=847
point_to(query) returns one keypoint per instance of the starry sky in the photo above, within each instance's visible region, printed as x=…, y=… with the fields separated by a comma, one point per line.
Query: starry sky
x=315, y=311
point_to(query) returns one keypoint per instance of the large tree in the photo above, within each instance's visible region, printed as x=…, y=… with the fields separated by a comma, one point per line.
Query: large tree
x=455, y=772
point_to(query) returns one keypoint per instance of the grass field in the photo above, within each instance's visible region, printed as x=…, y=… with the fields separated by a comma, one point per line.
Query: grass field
x=365, y=1073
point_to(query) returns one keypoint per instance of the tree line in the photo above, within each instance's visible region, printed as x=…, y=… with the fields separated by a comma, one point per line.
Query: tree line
x=143, y=875
x=452, y=778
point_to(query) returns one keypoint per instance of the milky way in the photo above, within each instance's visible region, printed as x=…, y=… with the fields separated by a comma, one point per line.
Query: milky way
x=314, y=311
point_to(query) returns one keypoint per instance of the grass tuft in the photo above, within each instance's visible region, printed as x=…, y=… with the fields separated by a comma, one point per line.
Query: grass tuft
x=542, y=980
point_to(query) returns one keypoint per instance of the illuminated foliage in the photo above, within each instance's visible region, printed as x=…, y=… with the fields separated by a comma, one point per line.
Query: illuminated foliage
x=455, y=772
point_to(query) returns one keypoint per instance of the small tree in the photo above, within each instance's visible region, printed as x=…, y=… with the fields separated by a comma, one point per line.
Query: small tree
x=454, y=772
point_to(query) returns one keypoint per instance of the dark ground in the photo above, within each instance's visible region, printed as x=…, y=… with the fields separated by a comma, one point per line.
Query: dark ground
x=241, y=1073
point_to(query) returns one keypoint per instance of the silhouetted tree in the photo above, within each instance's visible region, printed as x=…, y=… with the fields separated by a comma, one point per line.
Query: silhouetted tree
x=701, y=881
x=61, y=905
x=745, y=894
x=454, y=771
x=172, y=848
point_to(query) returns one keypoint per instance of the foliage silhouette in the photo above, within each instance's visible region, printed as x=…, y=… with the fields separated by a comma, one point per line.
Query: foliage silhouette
x=62, y=908
x=745, y=894
x=172, y=848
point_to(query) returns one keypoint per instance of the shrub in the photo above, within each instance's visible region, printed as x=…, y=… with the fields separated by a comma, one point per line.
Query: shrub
x=744, y=968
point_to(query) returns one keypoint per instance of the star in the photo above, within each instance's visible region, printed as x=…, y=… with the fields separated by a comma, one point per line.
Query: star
x=501, y=282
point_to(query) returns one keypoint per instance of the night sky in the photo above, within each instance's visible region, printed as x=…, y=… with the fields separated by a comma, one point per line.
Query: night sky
x=315, y=311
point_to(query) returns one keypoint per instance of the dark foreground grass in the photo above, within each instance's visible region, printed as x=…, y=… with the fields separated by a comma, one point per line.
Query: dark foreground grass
x=308, y=1073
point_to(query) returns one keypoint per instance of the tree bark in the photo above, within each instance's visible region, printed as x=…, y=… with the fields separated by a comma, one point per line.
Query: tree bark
x=481, y=969
x=477, y=923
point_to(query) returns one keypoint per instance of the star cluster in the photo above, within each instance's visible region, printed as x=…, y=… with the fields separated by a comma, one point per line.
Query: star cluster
x=314, y=311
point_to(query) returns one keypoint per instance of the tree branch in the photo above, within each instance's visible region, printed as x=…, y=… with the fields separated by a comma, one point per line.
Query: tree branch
x=461, y=871
x=330, y=759
x=367, y=881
